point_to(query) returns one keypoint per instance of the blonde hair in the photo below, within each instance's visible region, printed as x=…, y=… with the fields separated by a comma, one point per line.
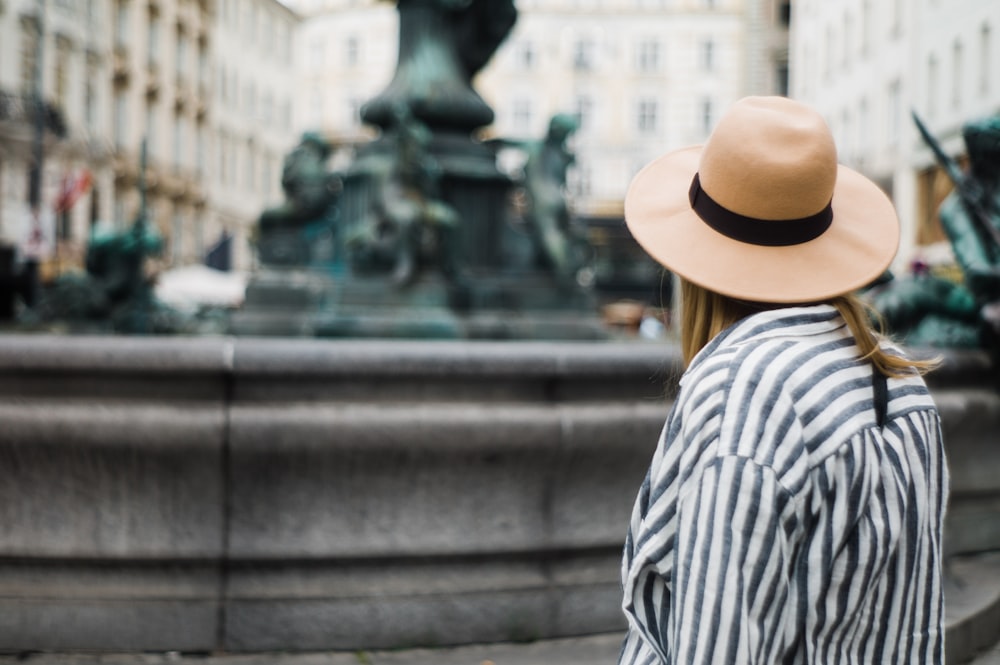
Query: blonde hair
x=704, y=314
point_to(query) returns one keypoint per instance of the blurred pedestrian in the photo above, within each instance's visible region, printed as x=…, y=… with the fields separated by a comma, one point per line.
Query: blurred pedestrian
x=793, y=508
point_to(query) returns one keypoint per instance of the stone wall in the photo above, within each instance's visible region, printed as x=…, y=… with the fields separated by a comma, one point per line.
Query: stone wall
x=264, y=494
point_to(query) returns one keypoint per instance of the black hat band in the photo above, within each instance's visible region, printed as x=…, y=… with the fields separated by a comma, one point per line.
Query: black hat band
x=767, y=232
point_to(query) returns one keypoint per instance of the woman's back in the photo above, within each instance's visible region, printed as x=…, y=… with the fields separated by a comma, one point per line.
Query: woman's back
x=779, y=522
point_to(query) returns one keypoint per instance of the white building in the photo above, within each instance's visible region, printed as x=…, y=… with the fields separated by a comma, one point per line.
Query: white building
x=252, y=115
x=207, y=84
x=867, y=64
x=70, y=43
x=642, y=76
x=345, y=55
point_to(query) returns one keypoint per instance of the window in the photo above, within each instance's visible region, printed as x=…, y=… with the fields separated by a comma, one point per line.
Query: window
x=182, y=53
x=706, y=54
x=895, y=17
x=176, y=235
x=648, y=56
x=150, y=129
x=583, y=55
x=267, y=109
x=250, y=175
x=29, y=55
x=781, y=79
x=646, y=116
x=316, y=52
x=706, y=114
x=251, y=100
x=223, y=161
x=848, y=37
x=268, y=175
x=828, y=53
x=121, y=23
x=202, y=65
x=524, y=55
x=354, y=105
x=582, y=179
x=153, y=39
x=199, y=236
x=866, y=21
x=121, y=118
x=199, y=150
x=847, y=134
x=583, y=111
x=785, y=14
x=352, y=51
x=892, y=112
x=90, y=95
x=119, y=213
x=957, y=73
x=62, y=72
x=315, y=108
x=932, y=85
x=179, y=138
x=984, y=60
x=521, y=116
x=863, y=133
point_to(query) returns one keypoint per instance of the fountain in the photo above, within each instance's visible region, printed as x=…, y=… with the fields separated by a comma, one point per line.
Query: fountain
x=221, y=494
x=425, y=242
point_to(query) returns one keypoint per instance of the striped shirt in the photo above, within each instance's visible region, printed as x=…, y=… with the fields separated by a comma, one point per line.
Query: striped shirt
x=778, y=523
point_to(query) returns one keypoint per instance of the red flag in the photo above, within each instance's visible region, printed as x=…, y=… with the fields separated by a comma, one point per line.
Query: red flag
x=73, y=187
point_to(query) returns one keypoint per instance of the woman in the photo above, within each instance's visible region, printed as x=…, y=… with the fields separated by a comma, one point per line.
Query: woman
x=793, y=509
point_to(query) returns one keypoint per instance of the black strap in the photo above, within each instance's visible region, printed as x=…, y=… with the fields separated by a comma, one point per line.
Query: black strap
x=881, y=386
x=767, y=232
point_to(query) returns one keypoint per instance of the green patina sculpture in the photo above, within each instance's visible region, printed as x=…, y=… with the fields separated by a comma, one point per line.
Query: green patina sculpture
x=562, y=248
x=442, y=45
x=115, y=292
x=408, y=227
x=929, y=310
x=285, y=233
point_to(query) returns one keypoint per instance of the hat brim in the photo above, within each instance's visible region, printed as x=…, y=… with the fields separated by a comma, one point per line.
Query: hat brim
x=857, y=247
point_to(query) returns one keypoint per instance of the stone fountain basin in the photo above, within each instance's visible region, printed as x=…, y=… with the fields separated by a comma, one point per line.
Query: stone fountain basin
x=242, y=494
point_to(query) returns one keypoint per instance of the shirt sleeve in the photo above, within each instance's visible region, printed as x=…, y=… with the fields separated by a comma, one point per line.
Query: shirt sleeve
x=731, y=591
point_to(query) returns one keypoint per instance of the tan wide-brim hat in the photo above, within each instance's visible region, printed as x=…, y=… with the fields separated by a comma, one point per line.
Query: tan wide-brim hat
x=763, y=211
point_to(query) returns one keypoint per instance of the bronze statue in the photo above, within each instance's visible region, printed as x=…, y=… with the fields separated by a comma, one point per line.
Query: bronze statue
x=442, y=45
x=563, y=249
x=311, y=194
x=931, y=310
x=115, y=291
x=409, y=226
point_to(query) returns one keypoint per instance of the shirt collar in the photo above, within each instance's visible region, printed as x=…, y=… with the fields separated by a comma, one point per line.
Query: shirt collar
x=801, y=321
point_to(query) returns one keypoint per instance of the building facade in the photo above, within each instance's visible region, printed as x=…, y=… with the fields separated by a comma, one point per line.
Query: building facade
x=251, y=120
x=160, y=100
x=205, y=85
x=60, y=50
x=867, y=65
x=641, y=76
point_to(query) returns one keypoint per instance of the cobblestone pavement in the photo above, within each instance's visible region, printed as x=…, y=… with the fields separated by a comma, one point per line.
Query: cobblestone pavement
x=590, y=650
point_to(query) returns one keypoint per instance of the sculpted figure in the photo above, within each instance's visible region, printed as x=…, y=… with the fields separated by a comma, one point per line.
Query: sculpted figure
x=930, y=310
x=311, y=194
x=409, y=226
x=310, y=189
x=442, y=45
x=562, y=248
x=115, y=287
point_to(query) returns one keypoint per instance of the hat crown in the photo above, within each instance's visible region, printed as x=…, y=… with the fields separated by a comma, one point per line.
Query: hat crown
x=770, y=158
